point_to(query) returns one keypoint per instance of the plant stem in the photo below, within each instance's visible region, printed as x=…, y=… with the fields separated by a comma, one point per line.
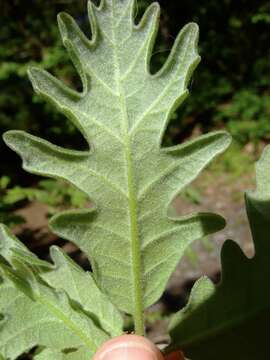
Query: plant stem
x=132, y=200
x=135, y=249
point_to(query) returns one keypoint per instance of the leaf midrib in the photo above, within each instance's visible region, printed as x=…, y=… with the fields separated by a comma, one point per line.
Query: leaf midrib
x=58, y=314
x=136, y=265
x=67, y=322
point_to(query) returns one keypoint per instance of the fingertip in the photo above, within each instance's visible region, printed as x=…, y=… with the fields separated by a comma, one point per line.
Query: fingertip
x=128, y=347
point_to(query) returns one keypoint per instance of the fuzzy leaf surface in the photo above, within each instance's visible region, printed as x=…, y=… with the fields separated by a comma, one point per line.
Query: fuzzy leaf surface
x=44, y=304
x=123, y=111
x=70, y=354
x=231, y=320
x=27, y=323
x=81, y=287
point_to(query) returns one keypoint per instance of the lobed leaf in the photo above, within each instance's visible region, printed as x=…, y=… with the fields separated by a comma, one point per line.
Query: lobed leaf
x=51, y=306
x=123, y=111
x=230, y=321
x=82, y=288
x=28, y=323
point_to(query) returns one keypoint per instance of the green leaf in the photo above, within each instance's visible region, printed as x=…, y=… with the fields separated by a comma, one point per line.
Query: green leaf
x=123, y=111
x=28, y=323
x=79, y=285
x=10, y=245
x=82, y=288
x=7, y=242
x=57, y=306
x=230, y=321
x=70, y=354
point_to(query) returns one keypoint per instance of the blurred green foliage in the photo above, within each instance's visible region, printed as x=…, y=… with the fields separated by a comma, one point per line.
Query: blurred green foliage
x=6, y=215
x=57, y=195
x=247, y=115
x=29, y=36
x=235, y=163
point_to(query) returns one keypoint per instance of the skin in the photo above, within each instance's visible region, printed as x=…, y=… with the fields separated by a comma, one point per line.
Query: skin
x=132, y=347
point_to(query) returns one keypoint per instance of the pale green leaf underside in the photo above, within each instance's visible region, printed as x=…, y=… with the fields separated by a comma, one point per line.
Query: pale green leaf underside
x=35, y=314
x=48, y=321
x=71, y=354
x=122, y=112
x=231, y=321
x=28, y=323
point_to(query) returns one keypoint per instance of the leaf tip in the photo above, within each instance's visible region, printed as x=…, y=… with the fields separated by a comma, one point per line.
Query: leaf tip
x=225, y=137
x=9, y=138
x=62, y=19
x=65, y=23
x=193, y=27
x=150, y=16
x=35, y=76
x=154, y=8
x=56, y=255
x=32, y=71
x=192, y=30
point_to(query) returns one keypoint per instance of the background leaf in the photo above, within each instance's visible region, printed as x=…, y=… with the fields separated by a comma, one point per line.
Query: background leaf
x=48, y=354
x=58, y=306
x=231, y=321
x=28, y=323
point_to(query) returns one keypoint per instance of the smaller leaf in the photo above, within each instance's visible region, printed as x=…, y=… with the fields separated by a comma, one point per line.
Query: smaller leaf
x=7, y=242
x=81, y=287
x=69, y=354
x=26, y=324
x=58, y=306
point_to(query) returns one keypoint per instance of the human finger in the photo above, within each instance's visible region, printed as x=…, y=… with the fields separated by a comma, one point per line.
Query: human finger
x=128, y=347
